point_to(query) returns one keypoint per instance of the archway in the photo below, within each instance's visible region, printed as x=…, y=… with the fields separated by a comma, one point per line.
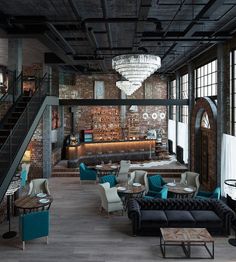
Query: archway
x=204, y=142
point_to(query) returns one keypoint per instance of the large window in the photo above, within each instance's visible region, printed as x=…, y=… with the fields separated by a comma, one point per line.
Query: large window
x=173, y=96
x=233, y=91
x=206, y=80
x=184, y=95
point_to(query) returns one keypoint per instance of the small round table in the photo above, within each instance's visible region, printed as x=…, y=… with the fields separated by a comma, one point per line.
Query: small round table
x=181, y=191
x=30, y=203
x=105, y=169
x=128, y=192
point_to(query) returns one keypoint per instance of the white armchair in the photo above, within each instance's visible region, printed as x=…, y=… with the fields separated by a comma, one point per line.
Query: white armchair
x=139, y=176
x=190, y=179
x=123, y=171
x=39, y=185
x=110, y=201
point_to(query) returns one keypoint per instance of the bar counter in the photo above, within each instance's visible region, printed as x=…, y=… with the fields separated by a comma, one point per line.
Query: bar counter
x=109, y=147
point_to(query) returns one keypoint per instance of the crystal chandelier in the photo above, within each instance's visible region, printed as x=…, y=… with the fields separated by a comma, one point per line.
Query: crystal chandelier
x=135, y=68
x=127, y=87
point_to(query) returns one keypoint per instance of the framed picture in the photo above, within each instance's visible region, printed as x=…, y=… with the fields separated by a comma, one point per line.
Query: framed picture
x=99, y=90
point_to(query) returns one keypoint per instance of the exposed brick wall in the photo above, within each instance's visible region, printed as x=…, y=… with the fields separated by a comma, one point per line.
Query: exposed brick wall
x=154, y=87
x=204, y=105
x=36, y=148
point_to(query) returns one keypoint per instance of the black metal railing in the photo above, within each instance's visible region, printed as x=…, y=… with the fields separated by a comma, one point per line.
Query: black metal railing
x=17, y=135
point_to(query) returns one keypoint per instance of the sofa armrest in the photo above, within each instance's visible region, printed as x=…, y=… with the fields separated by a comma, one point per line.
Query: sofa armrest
x=224, y=212
x=134, y=215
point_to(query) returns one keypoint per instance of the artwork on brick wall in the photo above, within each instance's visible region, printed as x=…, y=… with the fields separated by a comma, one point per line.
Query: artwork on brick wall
x=55, y=117
x=99, y=90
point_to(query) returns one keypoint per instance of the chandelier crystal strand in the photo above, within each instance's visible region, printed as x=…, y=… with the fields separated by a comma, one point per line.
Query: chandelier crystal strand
x=135, y=68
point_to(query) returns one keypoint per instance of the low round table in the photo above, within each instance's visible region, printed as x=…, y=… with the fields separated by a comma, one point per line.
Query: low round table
x=29, y=203
x=127, y=192
x=181, y=191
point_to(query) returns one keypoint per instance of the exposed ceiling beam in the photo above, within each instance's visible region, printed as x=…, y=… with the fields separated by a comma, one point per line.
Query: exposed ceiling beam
x=61, y=38
x=102, y=102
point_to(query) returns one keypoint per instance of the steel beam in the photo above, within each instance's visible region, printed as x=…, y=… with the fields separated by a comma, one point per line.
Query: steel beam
x=119, y=102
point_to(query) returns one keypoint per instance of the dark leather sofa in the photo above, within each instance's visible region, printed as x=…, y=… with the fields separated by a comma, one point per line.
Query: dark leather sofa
x=148, y=215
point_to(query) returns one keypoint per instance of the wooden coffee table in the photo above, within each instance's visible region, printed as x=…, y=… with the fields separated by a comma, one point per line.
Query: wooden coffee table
x=186, y=238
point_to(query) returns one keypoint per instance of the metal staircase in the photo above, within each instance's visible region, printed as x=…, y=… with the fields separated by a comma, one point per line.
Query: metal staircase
x=18, y=129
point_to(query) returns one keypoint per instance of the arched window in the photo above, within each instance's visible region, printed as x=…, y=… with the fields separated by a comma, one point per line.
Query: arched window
x=205, y=121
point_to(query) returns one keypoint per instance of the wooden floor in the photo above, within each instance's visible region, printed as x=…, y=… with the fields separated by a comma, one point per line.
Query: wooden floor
x=80, y=233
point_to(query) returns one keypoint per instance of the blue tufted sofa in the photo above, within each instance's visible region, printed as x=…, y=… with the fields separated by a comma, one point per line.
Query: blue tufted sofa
x=148, y=215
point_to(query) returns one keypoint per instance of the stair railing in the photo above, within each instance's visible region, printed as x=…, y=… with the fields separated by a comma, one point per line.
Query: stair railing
x=17, y=135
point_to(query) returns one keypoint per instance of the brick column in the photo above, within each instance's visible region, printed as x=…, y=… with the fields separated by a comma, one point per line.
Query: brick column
x=47, y=145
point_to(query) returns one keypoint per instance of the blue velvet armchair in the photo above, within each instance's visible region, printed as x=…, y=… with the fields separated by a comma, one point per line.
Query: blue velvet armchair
x=111, y=179
x=214, y=194
x=87, y=173
x=156, y=187
x=34, y=225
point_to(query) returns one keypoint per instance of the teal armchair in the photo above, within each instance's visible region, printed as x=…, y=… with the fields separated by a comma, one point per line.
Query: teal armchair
x=162, y=193
x=214, y=194
x=34, y=225
x=111, y=179
x=87, y=173
x=156, y=187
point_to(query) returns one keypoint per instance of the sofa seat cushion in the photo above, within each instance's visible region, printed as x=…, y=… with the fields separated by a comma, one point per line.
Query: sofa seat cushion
x=153, y=218
x=179, y=218
x=206, y=218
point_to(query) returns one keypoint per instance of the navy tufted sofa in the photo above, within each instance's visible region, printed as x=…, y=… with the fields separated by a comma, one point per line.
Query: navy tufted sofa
x=148, y=215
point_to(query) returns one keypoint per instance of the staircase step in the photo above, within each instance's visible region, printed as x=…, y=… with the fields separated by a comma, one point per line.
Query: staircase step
x=16, y=114
x=3, y=139
x=4, y=132
x=9, y=125
x=12, y=119
x=26, y=98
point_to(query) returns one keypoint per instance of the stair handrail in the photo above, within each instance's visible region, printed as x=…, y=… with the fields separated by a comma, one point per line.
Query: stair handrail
x=13, y=141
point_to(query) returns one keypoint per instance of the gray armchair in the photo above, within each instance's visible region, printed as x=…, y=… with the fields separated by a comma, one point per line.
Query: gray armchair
x=39, y=185
x=110, y=201
x=190, y=179
x=123, y=171
x=138, y=176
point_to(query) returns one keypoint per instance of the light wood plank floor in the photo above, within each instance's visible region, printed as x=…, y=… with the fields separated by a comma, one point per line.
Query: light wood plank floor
x=80, y=233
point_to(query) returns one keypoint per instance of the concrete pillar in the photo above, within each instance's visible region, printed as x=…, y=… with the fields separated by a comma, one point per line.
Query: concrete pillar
x=191, y=96
x=47, y=145
x=15, y=61
x=123, y=112
x=47, y=69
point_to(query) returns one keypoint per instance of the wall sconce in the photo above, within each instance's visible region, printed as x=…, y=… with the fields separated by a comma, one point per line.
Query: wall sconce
x=27, y=156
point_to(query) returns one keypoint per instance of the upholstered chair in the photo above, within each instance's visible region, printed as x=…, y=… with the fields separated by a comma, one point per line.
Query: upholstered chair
x=24, y=173
x=110, y=200
x=123, y=171
x=111, y=179
x=190, y=179
x=156, y=187
x=205, y=195
x=87, y=173
x=34, y=225
x=39, y=185
x=138, y=176
x=161, y=192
